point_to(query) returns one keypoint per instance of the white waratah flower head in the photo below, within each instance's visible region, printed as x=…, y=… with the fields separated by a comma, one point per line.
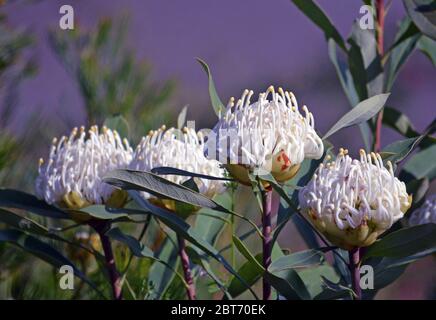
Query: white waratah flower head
x=269, y=135
x=353, y=201
x=426, y=213
x=180, y=149
x=72, y=176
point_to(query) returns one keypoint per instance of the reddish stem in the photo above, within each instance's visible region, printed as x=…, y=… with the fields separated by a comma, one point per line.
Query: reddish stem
x=114, y=276
x=380, y=10
x=267, y=239
x=190, y=290
x=354, y=256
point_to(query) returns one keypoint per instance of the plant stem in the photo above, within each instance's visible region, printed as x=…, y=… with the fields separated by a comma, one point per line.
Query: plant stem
x=354, y=255
x=267, y=239
x=380, y=9
x=190, y=290
x=114, y=276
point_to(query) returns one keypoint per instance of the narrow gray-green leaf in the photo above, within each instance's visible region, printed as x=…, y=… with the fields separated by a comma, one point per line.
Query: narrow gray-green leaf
x=20, y=200
x=217, y=105
x=404, y=242
x=314, y=13
x=364, y=111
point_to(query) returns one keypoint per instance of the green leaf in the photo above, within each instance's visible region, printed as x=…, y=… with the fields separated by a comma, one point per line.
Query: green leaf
x=185, y=231
x=428, y=47
x=372, y=71
x=163, y=188
x=23, y=223
x=184, y=173
x=102, y=212
x=181, y=118
x=42, y=251
x=161, y=276
x=347, y=84
x=400, y=149
x=357, y=69
x=158, y=186
x=217, y=105
x=247, y=254
x=422, y=14
x=295, y=260
x=399, y=122
x=314, y=13
x=198, y=257
x=209, y=224
x=421, y=164
x=404, y=242
x=20, y=200
x=400, y=53
x=249, y=271
x=364, y=111
x=289, y=284
x=343, y=73
x=119, y=124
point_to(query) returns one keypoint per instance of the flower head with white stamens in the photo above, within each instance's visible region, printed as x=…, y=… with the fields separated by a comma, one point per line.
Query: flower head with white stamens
x=269, y=135
x=180, y=149
x=426, y=213
x=353, y=201
x=72, y=176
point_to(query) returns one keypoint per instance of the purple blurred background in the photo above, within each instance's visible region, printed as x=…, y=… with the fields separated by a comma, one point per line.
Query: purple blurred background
x=247, y=44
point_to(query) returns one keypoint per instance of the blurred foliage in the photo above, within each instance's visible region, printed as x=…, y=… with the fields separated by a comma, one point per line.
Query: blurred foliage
x=14, y=68
x=110, y=78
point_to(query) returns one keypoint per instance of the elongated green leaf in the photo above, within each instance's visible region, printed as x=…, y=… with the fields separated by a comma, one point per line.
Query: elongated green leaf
x=247, y=254
x=296, y=260
x=399, y=150
x=139, y=249
x=421, y=164
x=399, y=122
x=25, y=224
x=422, y=14
x=43, y=251
x=357, y=69
x=428, y=47
x=184, y=173
x=404, y=242
x=161, y=276
x=118, y=123
x=198, y=257
x=163, y=188
x=364, y=111
x=217, y=105
x=343, y=73
x=185, y=231
x=158, y=186
x=102, y=212
x=209, y=224
x=314, y=13
x=401, y=52
x=249, y=272
x=25, y=201
x=289, y=284
x=347, y=83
